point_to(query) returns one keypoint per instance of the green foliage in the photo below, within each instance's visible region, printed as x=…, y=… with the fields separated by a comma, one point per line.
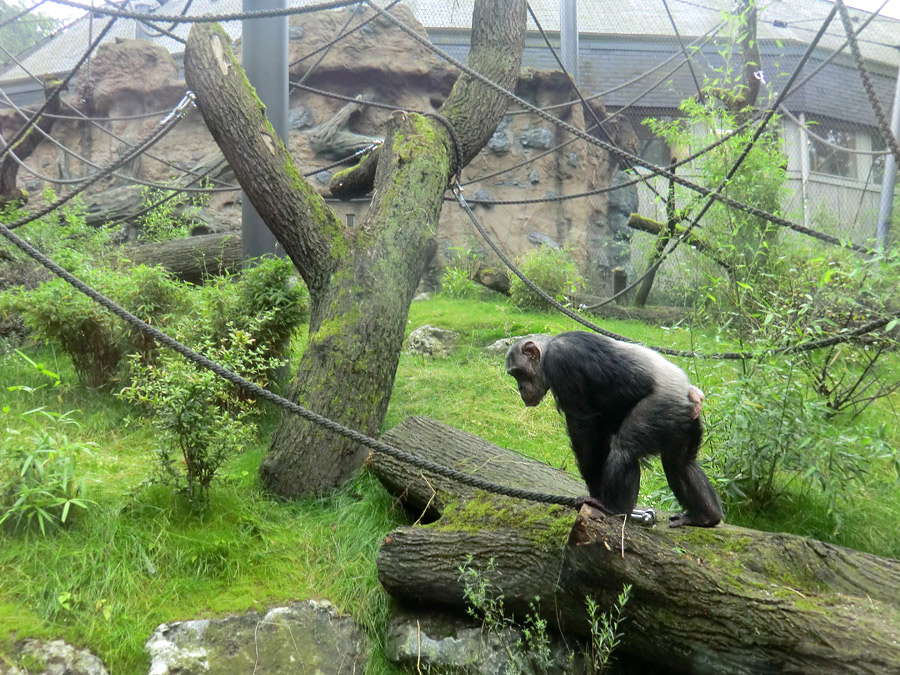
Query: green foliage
x=456, y=284
x=203, y=415
x=24, y=32
x=773, y=434
x=170, y=219
x=553, y=270
x=606, y=633
x=39, y=477
x=743, y=242
x=90, y=335
x=532, y=653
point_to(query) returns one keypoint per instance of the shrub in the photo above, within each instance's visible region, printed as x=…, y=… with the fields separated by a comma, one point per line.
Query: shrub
x=89, y=334
x=39, y=479
x=202, y=415
x=455, y=283
x=774, y=433
x=553, y=270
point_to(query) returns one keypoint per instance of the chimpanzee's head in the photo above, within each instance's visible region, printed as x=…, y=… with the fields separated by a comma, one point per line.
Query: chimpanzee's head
x=523, y=362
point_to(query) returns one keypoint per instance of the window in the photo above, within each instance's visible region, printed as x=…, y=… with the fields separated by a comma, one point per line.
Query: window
x=824, y=157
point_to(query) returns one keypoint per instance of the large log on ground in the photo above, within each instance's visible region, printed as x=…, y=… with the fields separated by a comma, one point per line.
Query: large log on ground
x=192, y=258
x=722, y=600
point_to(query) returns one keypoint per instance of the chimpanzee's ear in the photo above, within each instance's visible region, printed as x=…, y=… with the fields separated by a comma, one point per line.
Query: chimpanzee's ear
x=532, y=351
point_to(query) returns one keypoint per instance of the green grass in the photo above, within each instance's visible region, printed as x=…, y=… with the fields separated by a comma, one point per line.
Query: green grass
x=139, y=557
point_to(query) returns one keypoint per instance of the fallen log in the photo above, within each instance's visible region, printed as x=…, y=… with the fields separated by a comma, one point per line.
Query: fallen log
x=192, y=258
x=722, y=600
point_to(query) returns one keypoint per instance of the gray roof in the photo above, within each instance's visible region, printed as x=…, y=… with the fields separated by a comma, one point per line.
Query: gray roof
x=618, y=41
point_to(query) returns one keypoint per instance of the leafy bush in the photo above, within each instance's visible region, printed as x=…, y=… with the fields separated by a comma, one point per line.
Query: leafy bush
x=39, y=479
x=167, y=220
x=90, y=335
x=265, y=300
x=553, y=270
x=774, y=434
x=198, y=412
x=455, y=283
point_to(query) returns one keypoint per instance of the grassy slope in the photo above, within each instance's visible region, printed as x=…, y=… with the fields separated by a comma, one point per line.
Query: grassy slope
x=138, y=558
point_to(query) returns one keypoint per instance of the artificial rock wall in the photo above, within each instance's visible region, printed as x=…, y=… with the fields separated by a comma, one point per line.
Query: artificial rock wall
x=379, y=62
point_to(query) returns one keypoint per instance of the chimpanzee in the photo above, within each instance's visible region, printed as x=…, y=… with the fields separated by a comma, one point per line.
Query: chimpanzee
x=622, y=402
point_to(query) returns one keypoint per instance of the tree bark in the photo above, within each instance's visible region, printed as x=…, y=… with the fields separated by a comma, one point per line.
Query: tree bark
x=361, y=280
x=9, y=167
x=192, y=258
x=722, y=600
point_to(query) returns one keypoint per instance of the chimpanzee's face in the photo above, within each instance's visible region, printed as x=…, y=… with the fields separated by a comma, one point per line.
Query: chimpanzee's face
x=523, y=362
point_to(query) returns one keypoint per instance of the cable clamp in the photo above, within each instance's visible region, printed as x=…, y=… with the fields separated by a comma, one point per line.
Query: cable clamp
x=188, y=101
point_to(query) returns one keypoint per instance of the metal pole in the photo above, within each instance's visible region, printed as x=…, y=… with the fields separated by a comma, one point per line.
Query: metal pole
x=883, y=229
x=804, y=168
x=568, y=36
x=264, y=50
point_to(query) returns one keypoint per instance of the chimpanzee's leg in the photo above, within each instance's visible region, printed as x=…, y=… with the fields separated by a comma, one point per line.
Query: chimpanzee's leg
x=690, y=485
x=590, y=443
x=636, y=437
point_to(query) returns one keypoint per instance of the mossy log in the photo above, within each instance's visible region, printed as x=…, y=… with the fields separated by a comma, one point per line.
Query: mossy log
x=722, y=600
x=192, y=258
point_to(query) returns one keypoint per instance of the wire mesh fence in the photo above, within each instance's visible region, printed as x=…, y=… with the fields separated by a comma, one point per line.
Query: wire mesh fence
x=642, y=61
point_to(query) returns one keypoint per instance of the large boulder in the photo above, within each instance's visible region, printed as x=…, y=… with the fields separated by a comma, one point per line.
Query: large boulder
x=306, y=637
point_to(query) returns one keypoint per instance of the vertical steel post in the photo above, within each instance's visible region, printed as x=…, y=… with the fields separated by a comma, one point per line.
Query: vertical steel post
x=889, y=180
x=264, y=50
x=804, y=168
x=568, y=36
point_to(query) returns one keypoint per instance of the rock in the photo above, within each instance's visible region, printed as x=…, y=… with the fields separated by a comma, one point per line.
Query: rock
x=301, y=117
x=499, y=143
x=541, y=239
x=33, y=657
x=431, y=341
x=323, y=177
x=502, y=346
x=430, y=641
x=484, y=196
x=537, y=138
x=126, y=70
x=534, y=177
x=307, y=637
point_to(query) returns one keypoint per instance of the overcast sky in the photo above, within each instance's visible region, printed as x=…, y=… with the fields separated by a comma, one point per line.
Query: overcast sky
x=892, y=8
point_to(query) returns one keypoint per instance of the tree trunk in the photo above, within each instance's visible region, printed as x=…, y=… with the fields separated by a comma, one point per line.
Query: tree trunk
x=361, y=280
x=192, y=258
x=722, y=600
x=9, y=167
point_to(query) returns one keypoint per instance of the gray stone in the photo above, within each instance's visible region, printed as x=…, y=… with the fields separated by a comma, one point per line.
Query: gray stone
x=502, y=346
x=301, y=117
x=537, y=138
x=307, y=637
x=32, y=657
x=431, y=341
x=484, y=196
x=324, y=177
x=430, y=641
x=541, y=239
x=499, y=143
x=534, y=177
x=295, y=32
x=572, y=159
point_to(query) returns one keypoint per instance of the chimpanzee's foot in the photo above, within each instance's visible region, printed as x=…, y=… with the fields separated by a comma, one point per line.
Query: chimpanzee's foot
x=682, y=519
x=593, y=501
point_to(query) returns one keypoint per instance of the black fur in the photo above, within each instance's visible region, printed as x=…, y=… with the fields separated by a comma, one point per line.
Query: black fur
x=621, y=403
